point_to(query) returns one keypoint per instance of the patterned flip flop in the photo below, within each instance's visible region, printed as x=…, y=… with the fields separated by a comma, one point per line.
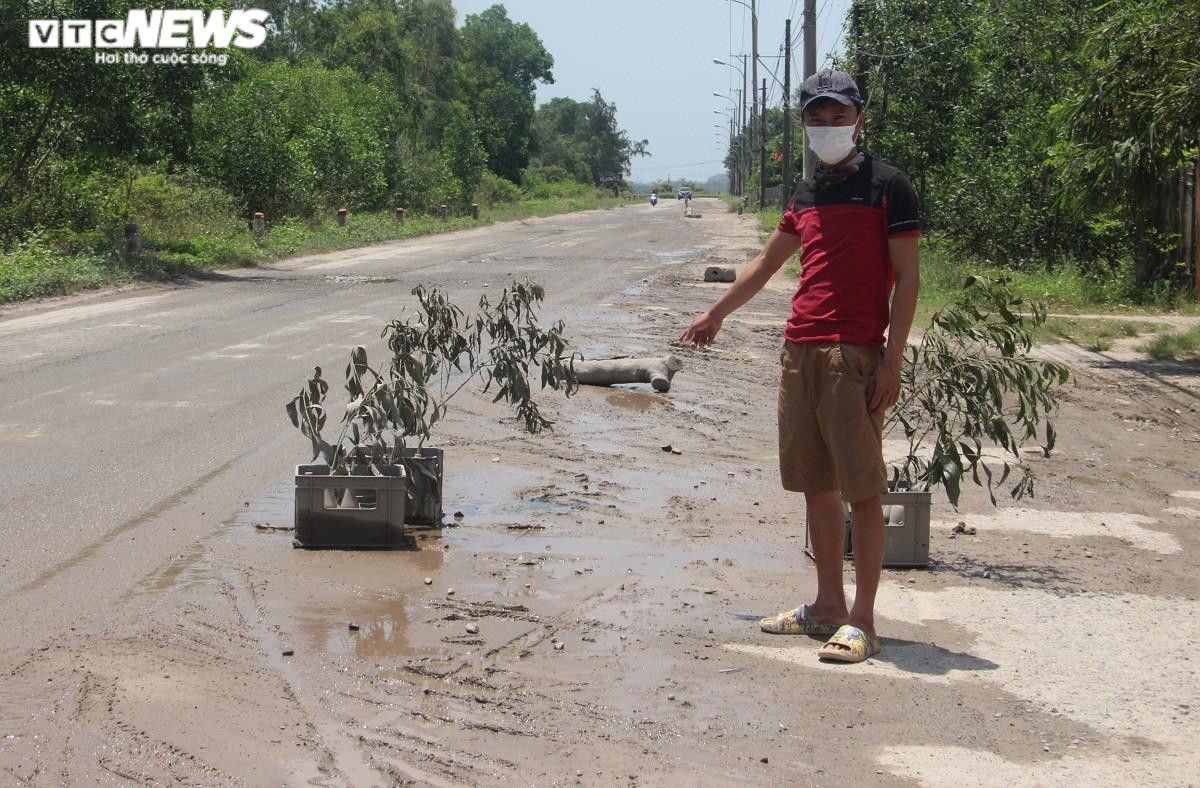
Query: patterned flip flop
x=796, y=622
x=849, y=644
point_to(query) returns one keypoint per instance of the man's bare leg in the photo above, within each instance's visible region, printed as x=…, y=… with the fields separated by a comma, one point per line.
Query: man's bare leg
x=827, y=529
x=868, y=561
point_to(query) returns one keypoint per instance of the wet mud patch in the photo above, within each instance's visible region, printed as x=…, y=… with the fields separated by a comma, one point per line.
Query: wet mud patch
x=158, y=699
x=638, y=401
x=358, y=279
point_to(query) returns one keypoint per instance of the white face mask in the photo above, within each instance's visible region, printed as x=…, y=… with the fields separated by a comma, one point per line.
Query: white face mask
x=831, y=143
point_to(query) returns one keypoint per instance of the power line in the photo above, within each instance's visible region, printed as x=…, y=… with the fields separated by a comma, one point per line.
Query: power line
x=840, y=37
x=774, y=72
x=742, y=39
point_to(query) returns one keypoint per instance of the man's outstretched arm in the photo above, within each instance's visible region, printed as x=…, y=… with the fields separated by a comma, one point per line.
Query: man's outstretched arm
x=779, y=247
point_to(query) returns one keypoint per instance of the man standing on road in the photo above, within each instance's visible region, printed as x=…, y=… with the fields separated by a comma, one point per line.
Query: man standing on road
x=855, y=225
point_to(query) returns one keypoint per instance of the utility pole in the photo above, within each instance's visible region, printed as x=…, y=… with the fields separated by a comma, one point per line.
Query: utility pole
x=810, y=68
x=736, y=139
x=733, y=151
x=762, y=151
x=745, y=97
x=756, y=130
x=787, y=115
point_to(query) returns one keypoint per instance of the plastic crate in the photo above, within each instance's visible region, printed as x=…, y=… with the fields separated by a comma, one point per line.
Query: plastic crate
x=905, y=532
x=425, y=488
x=424, y=483
x=356, y=511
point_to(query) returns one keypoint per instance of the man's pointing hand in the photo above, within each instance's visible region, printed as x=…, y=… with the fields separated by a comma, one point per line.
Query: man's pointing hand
x=702, y=331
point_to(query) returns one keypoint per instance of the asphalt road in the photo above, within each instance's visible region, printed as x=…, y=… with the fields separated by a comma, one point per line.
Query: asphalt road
x=131, y=417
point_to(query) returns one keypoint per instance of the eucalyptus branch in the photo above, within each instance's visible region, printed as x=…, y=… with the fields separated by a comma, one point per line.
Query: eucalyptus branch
x=428, y=350
x=969, y=362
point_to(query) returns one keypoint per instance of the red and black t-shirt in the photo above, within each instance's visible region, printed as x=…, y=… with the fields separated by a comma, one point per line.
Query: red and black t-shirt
x=846, y=272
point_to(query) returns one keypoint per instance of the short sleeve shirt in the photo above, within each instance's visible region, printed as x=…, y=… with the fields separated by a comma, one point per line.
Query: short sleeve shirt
x=846, y=272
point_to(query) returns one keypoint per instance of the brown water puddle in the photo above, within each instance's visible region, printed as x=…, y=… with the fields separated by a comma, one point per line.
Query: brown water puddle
x=530, y=538
x=380, y=629
x=632, y=399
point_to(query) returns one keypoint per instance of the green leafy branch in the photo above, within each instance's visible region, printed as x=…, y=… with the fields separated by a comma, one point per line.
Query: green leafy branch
x=436, y=352
x=971, y=381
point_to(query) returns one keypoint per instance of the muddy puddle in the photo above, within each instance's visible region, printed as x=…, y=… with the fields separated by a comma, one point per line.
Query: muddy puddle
x=187, y=570
x=366, y=628
x=518, y=544
x=639, y=401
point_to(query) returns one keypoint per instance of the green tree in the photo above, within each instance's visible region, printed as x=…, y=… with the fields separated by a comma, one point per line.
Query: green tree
x=556, y=140
x=292, y=27
x=583, y=138
x=413, y=44
x=502, y=62
x=465, y=157
x=61, y=111
x=960, y=92
x=1038, y=134
x=1132, y=119
x=295, y=139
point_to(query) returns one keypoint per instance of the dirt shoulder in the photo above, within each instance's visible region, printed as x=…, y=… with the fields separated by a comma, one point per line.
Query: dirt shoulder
x=615, y=590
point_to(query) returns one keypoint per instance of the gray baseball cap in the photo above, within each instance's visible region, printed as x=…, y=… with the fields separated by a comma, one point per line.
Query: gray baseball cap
x=837, y=85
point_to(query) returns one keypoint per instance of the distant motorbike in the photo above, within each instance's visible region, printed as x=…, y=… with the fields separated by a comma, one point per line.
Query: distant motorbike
x=653, y=199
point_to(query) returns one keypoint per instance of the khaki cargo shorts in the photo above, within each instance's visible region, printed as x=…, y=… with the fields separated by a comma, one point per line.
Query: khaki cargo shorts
x=828, y=440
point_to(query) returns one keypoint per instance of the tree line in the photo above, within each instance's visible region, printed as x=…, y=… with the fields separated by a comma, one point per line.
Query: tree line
x=363, y=104
x=1040, y=134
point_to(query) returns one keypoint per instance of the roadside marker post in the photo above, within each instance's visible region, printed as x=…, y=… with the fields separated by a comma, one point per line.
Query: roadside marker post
x=133, y=241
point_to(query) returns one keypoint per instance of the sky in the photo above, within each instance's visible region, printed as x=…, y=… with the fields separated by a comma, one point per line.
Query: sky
x=654, y=60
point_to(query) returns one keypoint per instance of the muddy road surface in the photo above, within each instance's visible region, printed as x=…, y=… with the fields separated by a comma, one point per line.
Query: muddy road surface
x=591, y=617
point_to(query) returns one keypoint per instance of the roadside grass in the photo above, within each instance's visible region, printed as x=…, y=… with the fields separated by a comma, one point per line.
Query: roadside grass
x=1173, y=345
x=1094, y=334
x=731, y=201
x=35, y=267
x=1065, y=291
x=768, y=220
x=61, y=262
